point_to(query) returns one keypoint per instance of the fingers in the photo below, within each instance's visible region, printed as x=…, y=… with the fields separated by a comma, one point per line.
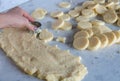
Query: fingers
x=31, y=27
x=25, y=14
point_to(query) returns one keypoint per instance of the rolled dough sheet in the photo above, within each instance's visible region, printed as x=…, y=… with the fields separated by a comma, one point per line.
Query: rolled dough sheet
x=38, y=59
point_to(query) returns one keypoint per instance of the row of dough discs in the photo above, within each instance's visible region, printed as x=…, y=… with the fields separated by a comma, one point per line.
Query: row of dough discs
x=85, y=39
x=86, y=17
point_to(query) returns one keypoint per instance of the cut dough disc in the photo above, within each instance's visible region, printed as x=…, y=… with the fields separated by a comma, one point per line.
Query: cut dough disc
x=88, y=12
x=82, y=18
x=97, y=22
x=86, y=4
x=65, y=17
x=58, y=24
x=110, y=16
x=65, y=5
x=100, y=9
x=73, y=13
x=39, y=13
x=104, y=40
x=111, y=38
x=118, y=22
x=56, y=14
x=90, y=32
x=115, y=1
x=94, y=43
x=66, y=26
x=81, y=43
x=117, y=34
x=81, y=34
x=45, y=35
x=99, y=1
x=84, y=25
x=98, y=29
x=45, y=61
x=78, y=8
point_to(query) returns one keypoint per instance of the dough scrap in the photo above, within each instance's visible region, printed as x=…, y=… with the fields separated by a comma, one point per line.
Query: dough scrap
x=61, y=39
x=46, y=62
x=46, y=36
x=81, y=43
x=65, y=5
x=84, y=25
x=94, y=43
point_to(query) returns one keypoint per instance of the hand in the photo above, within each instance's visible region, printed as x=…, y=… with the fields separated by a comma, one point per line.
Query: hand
x=16, y=17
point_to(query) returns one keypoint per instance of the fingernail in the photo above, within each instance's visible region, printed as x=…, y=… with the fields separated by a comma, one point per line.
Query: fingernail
x=35, y=28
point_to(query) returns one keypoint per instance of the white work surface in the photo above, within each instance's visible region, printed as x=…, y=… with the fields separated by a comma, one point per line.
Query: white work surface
x=103, y=64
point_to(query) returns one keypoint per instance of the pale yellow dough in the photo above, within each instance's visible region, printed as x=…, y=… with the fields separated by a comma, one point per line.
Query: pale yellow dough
x=65, y=17
x=66, y=26
x=57, y=24
x=84, y=25
x=39, y=13
x=45, y=35
x=73, y=13
x=81, y=34
x=81, y=43
x=111, y=38
x=36, y=58
x=110, y=16
x=65, y=5
x=104, y=40
x=61, y=39
x=94, y=43
x=56, y=14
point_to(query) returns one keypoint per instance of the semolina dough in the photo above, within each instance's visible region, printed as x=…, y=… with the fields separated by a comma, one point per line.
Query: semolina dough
x=81, y=43
x=56, y=14
x=73, y=13
x=94, y=43
x=110, y=16
x=65, y=5
x=104, y=40
x=66, y=26
x=39, y=13
x=81, y=34
x=111, y=38
x=84, y=25
x=45, y=35
x=57, y=24
x=61, y=39
x=38, y=59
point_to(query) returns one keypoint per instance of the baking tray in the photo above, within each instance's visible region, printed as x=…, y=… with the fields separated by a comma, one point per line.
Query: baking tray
x=103, y=64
